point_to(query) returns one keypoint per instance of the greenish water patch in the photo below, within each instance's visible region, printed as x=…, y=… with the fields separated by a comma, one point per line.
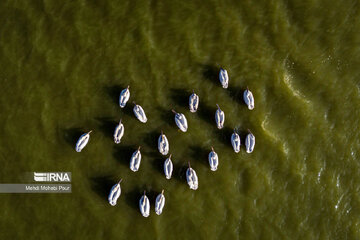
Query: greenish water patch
x=64, y=65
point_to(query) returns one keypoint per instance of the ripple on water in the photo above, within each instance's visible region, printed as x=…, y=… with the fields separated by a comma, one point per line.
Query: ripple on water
x=273, y=136
x=287, y=80
x=319, y=175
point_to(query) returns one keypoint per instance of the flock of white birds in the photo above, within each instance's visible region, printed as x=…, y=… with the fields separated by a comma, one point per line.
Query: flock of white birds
x=163, y=144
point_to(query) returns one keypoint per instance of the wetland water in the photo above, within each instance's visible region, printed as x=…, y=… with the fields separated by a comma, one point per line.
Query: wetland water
x=64, y=65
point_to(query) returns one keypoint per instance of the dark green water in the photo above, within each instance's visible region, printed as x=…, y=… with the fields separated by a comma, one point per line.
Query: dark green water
x=63, y=66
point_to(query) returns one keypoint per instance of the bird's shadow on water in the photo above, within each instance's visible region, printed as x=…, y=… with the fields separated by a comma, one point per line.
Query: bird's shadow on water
x=166, y=116
x=156, y=160
x=71, y=135
x=242, y=134
x=236, y=93
x=151, y=139
x=151, y=194
x=133, y=196
x=128, y=110
x=113, y=91
x=158, y=165
x=102, y=185
x=123, y=154
x=107, y=126
x=179, y=172
x=210, y=72
x=207, y=113
x=224, y=135
x=180, y=96
x=199, y=154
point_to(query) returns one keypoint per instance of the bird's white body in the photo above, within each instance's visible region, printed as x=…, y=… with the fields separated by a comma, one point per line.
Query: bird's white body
x=192, y=178
x=124, y=97
x=159, y=203
x=140, y=113
x=181, y=121
x=193, y=102
x=224, y=78
x=219, y=118
x=168, y=168
x=144, y=205
x=250, y=142
x=119, y=133
x=249, y=99
x=213, y=160
x=135, y=160
x=83, y=140
x=163, y=144
x=114, y=194
x=235, y=142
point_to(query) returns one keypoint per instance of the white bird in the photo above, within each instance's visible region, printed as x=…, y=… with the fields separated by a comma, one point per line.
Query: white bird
x=219, y=117
x=168, y=167
x=192, y=178
x=213, y=160
x=181, y=121
x=135, y=160
x=250, y=142
x=224, y=78
x=139, y=113
x=193, y=102
x=249, y=99
x=159, y=203
x=119, y=132
x=83, y=140
x=144, y=205
x=114, y=193
x=124, y=97
x=235, y=141
x=163, y=144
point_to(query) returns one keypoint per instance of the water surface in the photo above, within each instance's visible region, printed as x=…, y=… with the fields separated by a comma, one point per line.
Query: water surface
x=64, y=65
